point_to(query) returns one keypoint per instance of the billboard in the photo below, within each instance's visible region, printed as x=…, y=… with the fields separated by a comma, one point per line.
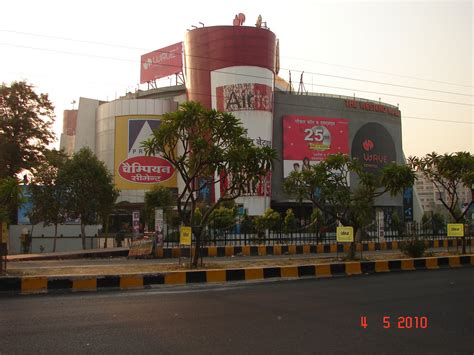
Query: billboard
x=408, y=204
x=308, y=140
x=161, y=63
x=374, y=147
x=247, y=92
x=244, y=97
x=133, y=170
x=25, y=207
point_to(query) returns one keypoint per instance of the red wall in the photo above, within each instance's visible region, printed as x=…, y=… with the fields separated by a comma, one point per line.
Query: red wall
x=210, y=48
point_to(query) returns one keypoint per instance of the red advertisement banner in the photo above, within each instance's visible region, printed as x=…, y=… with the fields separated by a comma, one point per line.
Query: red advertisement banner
x=145, y=169
x=260, y=187
x=314, y=138
x=161, y=63
x=244, y=97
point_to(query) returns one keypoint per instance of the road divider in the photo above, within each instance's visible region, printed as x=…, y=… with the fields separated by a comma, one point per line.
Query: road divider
x=41, y=284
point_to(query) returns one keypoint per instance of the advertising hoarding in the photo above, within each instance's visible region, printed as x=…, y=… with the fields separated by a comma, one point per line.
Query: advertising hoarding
x=408, y=204
x=133, y=169
x=161, y=63
x=136, y=222
x=308, y=140
x=455, y=230
x=185, y=235
x=373, y=146
x=247, y=92
x=345, y=234
x=244, y=97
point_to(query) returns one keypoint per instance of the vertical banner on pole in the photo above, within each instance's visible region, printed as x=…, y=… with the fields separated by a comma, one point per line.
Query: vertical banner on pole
x=3, y=246
x=136, y=223
x=159, y=231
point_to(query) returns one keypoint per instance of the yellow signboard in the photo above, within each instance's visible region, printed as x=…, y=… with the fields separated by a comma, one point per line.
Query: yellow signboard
x=185, y=235
x=134, y=170
x=4, y=233
x=455, y=230
x=344, y=234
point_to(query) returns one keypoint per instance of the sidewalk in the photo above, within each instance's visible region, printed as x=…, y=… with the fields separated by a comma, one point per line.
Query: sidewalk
x=89, y=253
x=221, y=272
x=123, y=265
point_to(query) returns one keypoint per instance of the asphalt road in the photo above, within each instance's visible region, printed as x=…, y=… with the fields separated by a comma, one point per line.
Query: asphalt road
x=287, y=317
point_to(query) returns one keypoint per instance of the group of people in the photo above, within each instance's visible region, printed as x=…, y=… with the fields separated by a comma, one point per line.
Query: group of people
x=306, y=165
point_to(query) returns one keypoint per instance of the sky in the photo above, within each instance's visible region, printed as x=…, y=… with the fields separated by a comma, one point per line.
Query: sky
x=417, y=54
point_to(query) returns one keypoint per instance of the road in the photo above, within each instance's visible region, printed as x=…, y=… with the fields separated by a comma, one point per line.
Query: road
x=287, y=317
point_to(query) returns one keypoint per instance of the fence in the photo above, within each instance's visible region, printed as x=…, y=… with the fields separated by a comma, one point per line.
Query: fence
x=313, y=235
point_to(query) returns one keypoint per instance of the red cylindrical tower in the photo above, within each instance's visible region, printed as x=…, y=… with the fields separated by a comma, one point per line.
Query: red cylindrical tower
x=211, y=48
x=232, y=69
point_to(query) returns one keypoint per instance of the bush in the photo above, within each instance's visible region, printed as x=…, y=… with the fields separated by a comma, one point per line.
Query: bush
x=414, y=248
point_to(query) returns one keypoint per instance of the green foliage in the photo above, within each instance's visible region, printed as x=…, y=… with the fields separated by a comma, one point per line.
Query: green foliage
x=213, y=147
x=438, y=222
x=289, y=222
x=247, y=225
x=88, y=188
x=47, y=195
x=222, y=218
x=326, y=185
x=448, y=173
x=26, y=120
x=425, y=219
x=397, y=224
x=197, y=217
x=269, y=221
x=158, y=197
x=11, y=196
x=317, y=221
x=413, y=247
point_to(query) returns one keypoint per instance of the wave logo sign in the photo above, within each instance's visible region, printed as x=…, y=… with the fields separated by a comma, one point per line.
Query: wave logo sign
x=148, y=63
x=368, y=145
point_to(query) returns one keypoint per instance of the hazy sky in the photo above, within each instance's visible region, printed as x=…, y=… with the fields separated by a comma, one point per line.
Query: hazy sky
x=427, y=46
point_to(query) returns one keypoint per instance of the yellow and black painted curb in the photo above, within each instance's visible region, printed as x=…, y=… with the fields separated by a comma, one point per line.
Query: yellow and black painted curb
x=252, y=250
x=35, y=284
x=291, y=249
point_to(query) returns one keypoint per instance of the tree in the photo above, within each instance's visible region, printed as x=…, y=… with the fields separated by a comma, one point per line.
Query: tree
x=270, y=220
x=26, y=120
x=47, y=195
x=88, y=188
x=207, y=147
x=11, y=196
x=397, y=224
x=316, y=222
x=327, y=186
x=448, y=173
x=222, y=218
x=437, y=219
x=158, y=197
x=289, y=221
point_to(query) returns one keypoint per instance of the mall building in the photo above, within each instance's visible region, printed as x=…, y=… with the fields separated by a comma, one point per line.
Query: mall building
x=235, y=69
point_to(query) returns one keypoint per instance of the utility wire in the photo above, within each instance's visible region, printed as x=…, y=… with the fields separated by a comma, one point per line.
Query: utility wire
x=389, y=84
x=232, y=73
x=384, y=73
x=302, y=59
x=341, y=109
x=322, y=95
x=308, y=106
